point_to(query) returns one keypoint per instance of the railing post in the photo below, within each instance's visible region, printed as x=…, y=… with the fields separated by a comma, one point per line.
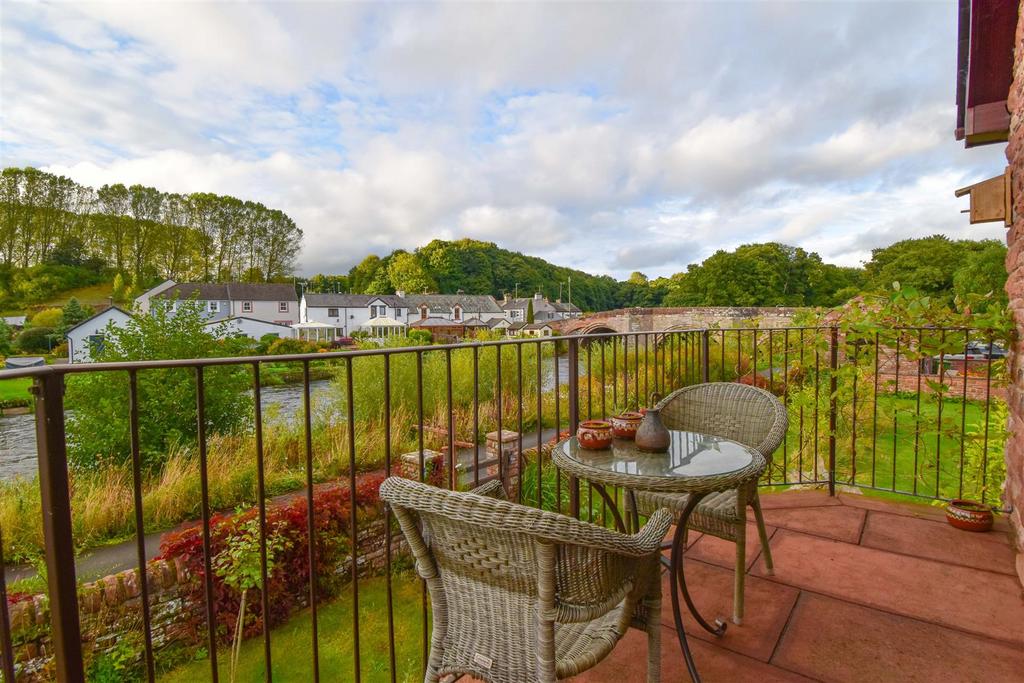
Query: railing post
x=832, y=408
x=56, y=508
x=705, y=356
x=574, y=416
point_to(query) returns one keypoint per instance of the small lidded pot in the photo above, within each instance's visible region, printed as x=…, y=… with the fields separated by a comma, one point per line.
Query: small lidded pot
x=594, y=435
x=624, y=426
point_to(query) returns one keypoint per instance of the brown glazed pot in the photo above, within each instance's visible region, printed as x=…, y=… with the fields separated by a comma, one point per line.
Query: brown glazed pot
x=652, y=436
x=594, y=435
x=624, y=426
x=969, y=515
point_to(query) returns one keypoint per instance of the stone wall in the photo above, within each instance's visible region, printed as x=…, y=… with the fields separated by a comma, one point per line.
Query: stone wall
x=1014, y=494
x=110, y=609
x=660, y=319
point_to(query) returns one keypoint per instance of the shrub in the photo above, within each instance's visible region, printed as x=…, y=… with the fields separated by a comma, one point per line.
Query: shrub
x=35, y=340
x=60, y=349
x=48, y=317
x=289, y=575
x=5, y=338
x=98, y=428
x=289, y=346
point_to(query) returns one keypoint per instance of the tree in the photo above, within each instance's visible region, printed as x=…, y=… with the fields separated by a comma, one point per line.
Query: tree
x=983, y=271
x=98, y=428
x=35, y=340
x=406, y=273
x=529, y=312
x=48, y=317
x=72, y=314
x=927, y=265
x=5, y=338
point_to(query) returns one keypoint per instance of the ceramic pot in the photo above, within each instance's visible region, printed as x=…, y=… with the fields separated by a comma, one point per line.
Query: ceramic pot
x=624, y=426
x=594, y=435
x=969, y=515
x=652, y=436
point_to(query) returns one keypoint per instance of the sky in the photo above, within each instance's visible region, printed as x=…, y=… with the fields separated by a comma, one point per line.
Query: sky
x=610, y=137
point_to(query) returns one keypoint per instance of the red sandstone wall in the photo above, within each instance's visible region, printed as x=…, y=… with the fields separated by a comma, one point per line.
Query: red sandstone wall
x=1014, y=495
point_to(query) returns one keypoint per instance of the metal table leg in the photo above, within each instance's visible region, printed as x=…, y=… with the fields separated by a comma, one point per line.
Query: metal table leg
x=678, y=585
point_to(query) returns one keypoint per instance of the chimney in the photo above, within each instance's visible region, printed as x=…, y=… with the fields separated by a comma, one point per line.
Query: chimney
x=400, y=293
x=538, y=296
x=460, y=292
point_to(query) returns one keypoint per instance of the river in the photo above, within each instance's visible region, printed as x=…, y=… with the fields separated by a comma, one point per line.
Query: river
x=18, y=433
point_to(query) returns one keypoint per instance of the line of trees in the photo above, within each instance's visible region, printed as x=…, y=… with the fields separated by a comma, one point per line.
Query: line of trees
x=767, y=274
x=141, y=232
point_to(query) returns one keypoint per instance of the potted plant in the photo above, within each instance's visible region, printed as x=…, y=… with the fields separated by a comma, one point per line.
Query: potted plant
x=969, y=515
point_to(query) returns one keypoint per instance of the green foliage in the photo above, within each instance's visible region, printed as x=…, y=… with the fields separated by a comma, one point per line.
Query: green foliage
x=72, y=314
x=5, y=338
x=48, y=317
x=21, y=287
x=983, y=271
x=327, y=284
x=35, y=340
x=116, y=665
x=289, y=345
x=529, y=312
x=98, y=429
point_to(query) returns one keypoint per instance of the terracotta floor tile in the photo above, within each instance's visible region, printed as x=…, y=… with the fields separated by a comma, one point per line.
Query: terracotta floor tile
x=796, y=498
x=839, y=522
x=628, y=661
x=723, y=553
x=768, y=605
x=918, y=510
x=833, y=640
x=959, y=597
x=937, y=540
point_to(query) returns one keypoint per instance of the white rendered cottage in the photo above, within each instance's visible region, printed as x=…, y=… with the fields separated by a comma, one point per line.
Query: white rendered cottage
x=88, y=336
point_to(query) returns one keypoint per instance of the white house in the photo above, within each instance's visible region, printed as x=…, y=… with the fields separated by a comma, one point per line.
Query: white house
x=144, y=300
x=251, y=327
x=270, y=302
x=452, y=307
x=349, y=313
x=89, y=335
x=543, y=309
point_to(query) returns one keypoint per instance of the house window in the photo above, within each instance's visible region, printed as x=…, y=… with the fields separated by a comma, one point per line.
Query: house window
x=458, y=313
x=378, y=311
x=282, y=306
x=246, y=307
x=213, y=306
x=423, y=312
x=517, y=314
x=332, y=312
x=95, y=343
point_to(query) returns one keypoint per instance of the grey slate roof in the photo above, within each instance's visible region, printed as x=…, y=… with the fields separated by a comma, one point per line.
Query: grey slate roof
x=474, y=322
x=540, y=305
x=15, y=320
x=444, y=303
x=435, y=322
x=352, y=300
x=230, y=291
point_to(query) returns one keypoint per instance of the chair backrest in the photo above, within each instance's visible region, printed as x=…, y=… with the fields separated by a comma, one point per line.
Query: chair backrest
x=749, y=415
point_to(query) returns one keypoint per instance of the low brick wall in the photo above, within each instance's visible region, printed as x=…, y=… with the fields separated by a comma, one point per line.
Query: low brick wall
x=110, y=609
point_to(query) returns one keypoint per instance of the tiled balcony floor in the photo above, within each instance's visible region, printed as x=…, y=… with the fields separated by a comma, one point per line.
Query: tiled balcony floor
x=864, y=590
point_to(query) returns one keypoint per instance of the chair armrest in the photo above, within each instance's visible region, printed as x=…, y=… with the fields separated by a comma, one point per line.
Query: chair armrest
x=492, y=489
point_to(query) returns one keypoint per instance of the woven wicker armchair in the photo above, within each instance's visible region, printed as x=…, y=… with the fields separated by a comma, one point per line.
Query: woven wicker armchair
x=742, y=413
x=519, y=594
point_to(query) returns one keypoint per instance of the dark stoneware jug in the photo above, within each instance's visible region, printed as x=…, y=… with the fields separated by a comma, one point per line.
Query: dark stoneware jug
x=652, y=436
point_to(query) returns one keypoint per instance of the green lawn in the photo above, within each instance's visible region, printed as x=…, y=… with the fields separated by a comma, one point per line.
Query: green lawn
x=87, y=296
x=14, y=388
x=291, y=651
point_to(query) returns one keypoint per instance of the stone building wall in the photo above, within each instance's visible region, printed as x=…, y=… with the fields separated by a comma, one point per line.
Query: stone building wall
x=1014, y=494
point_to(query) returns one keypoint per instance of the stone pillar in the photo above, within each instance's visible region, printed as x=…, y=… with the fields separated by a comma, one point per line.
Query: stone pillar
x=1014, y=494
x=507, y=449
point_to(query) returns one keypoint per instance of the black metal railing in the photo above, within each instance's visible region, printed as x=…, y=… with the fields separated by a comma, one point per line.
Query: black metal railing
x=849, y=394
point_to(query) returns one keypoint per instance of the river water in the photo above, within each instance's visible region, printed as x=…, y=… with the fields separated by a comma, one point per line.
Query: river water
x=280, y=403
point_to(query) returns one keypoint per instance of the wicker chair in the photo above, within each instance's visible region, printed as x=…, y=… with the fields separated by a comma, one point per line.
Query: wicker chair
x=742, y=413
x=519, y=594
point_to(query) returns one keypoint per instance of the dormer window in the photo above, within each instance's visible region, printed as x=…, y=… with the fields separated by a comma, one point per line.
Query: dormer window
x=457, y=313
x=423, y=312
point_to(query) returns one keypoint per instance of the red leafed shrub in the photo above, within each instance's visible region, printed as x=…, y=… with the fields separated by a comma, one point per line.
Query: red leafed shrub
x=288, y=580
x=778, y=386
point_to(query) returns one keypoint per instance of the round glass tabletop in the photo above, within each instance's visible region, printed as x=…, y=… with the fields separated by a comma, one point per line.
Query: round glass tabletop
x=691, y=458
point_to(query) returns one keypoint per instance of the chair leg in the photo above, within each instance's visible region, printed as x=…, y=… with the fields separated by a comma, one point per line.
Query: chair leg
x=763, y=534
x=653, y=614
x=740, y=575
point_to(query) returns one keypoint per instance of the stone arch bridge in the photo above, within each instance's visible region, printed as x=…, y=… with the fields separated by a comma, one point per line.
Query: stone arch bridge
x=625, y=320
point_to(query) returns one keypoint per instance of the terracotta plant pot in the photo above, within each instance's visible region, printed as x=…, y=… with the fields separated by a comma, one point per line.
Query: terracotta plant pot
x=969, y=515
x=624, y=426
x=595, y=435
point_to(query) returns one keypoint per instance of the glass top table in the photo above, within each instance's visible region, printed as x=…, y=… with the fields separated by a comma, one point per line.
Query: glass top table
x=696, y=464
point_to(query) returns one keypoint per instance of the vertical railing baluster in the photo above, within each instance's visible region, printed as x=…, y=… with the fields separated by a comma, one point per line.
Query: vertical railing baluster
x=519, y=428
x=140, y=526
x=540, y=425
x=311, y=515
x=353, y=508
x=615, y=373
x=853, y=422
x=574, y=416
x=424, y=651
x=785, y=402
x=938, y=431
x=817, y=401
x=963, y=416
x=7, y=656
x=800, y=435
x=604, y=379
x=874, y=417
x=832, y=409
x=204, y=487
x=501, y=428
x=988, y=408
x=476, y=415
x=389, y=596
x=917, y=409
x=453, y=477
x=261, y=493
x=895, y=410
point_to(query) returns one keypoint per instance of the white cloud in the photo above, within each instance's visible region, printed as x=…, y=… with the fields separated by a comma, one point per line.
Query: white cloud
x=608, y=137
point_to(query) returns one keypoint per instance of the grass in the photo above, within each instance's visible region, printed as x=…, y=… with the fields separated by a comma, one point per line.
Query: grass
x=87, y=296
x=291, y=643
x=15, y=388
